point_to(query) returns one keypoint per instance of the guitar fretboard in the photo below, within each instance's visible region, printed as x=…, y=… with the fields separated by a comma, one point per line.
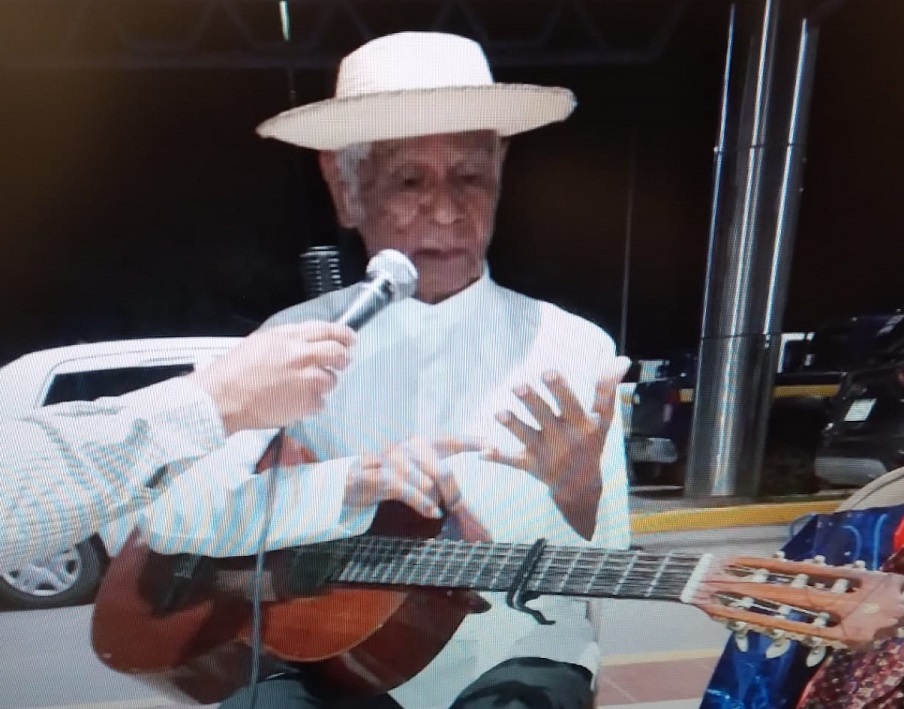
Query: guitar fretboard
x=480, y=566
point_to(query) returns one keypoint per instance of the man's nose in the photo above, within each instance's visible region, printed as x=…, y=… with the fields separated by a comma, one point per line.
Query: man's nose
x=445, y=204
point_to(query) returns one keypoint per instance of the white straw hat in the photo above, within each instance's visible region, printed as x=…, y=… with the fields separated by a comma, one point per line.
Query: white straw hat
x=417, y=83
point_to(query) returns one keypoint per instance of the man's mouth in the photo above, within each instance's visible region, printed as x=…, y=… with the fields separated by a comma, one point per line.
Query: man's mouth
x=441, y=254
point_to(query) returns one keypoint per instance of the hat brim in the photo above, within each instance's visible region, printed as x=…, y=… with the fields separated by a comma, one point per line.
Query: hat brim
x=337, y=123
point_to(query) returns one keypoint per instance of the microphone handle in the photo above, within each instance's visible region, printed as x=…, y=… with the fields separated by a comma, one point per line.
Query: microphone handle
x=375, y=295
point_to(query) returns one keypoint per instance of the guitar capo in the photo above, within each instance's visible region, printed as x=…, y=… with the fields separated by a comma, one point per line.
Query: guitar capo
x=518, y=595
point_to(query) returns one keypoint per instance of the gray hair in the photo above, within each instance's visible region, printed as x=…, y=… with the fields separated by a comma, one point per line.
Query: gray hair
x=349, y=160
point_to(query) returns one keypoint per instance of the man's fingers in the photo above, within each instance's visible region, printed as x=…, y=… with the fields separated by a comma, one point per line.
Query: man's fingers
x=536, y=405
x=415, y=497
x=318, y=331
x=568, y=403
x=321, y=380
x=606, y=393
x=326, y=353
x=447, y=447
x=524, y=433
x=494, y=455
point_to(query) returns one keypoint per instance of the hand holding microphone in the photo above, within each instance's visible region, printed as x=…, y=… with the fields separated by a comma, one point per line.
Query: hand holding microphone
x=282, y=374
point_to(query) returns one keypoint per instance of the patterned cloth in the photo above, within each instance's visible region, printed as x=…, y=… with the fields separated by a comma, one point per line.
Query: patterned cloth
x=66, y=470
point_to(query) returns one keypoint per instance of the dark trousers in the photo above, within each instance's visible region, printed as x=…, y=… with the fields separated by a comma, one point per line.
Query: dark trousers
x=520, y=683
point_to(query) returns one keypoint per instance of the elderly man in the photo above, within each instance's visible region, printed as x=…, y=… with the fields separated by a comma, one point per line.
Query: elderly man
x=469, y=398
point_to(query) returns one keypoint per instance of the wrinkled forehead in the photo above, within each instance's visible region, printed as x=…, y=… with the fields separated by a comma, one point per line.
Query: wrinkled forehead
x=448, y=146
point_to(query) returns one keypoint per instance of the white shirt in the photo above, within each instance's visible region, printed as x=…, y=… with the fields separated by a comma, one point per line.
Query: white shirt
x=66, y=470
x=429, y=371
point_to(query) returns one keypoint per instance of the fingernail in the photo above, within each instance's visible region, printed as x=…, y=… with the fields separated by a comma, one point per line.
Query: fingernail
x=521, y=390
x=503, y=417
x=550, y=376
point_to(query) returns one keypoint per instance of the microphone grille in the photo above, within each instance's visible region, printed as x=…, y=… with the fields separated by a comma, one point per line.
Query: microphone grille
x=398, y=269
x=321, y=270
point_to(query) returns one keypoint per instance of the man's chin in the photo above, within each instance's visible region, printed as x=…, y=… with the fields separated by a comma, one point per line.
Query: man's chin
x=438, y=292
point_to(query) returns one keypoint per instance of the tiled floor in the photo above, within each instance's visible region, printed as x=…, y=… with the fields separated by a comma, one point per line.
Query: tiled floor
x=643, y=682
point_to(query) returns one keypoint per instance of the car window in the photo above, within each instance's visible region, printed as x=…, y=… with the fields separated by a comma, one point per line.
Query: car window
x=90, y=385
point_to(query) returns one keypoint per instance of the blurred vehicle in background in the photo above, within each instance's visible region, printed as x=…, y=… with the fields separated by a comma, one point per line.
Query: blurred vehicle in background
x=864, y=437
x=83, y=373
x=811, y=366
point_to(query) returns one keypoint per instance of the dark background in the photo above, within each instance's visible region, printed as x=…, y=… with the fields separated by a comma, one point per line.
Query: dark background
x=141, y=203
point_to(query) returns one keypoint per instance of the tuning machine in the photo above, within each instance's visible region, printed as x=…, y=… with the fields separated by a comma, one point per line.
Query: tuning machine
x=739, y=631
x=817, y=652
x=780, y=644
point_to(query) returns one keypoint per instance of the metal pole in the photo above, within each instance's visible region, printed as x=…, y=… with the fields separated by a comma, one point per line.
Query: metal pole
x=629, y=227
x=757, y=179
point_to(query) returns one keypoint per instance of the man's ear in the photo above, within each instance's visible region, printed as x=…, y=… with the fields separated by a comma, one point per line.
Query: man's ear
x=329, y=167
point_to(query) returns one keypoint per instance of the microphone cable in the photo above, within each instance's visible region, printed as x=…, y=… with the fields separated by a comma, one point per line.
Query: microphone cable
x=257, y=585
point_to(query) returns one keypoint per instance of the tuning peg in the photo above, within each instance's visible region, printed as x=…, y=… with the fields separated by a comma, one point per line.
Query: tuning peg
x=841, y=586
x=778, y=555
x=816, y=654
x=859, y=564
x=899, y=633
x=819, y=559
x=739, y=629
x=760, y=576
x=779, y=646
x=745, y=602
x=800, y=581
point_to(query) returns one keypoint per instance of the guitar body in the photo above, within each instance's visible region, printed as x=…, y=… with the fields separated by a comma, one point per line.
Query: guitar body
x=358, y=641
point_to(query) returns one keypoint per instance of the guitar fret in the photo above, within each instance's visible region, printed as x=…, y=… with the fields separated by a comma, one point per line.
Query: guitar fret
x=654, y=582
x=450, y=561
x=384, y=562
x=463, y=567
x=423, y=570
x=625, y=574
x=359, y=560
x=400, y=560
x=483, y=580
x=541, y=572
x=494, y=584
x=566, y=577
x=600, y=569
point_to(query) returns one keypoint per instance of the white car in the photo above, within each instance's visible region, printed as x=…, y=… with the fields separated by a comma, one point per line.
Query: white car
x=83, y=373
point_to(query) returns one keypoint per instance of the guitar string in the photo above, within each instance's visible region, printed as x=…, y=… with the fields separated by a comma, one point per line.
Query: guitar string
x=590, y=578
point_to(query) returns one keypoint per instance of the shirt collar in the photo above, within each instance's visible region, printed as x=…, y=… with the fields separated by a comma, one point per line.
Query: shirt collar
x=412, y=311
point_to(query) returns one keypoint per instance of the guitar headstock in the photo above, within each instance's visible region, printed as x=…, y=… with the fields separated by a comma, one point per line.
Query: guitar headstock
x=818, y=605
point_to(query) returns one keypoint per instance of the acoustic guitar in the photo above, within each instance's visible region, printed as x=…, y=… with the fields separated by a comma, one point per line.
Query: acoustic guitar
x=368, y=613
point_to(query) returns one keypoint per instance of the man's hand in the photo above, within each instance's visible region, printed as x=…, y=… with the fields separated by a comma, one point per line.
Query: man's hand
x=275, y=377
x=410, y=473
x=565, y=452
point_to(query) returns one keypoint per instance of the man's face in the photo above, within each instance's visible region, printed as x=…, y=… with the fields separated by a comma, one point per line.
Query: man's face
x=433, y=198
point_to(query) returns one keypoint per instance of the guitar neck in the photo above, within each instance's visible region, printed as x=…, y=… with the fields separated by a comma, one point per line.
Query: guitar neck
x=481, y=566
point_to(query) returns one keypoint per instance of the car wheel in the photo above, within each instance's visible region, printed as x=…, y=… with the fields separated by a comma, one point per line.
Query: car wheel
x=788, y=469
x=68, y=578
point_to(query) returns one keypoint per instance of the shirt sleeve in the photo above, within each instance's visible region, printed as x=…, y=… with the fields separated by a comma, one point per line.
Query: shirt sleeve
x=68, y=469
x=221, y=507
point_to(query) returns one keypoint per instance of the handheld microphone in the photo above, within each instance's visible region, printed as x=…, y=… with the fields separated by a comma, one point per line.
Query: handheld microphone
x=390, y=277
